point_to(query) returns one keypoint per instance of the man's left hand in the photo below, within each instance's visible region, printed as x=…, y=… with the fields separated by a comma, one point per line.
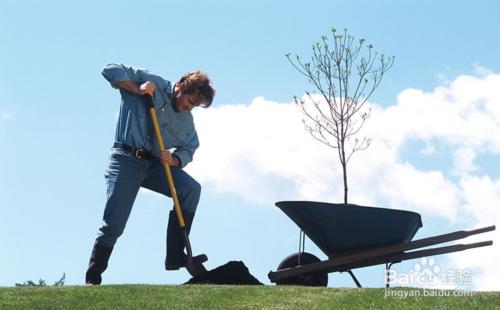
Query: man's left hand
x=167, y=158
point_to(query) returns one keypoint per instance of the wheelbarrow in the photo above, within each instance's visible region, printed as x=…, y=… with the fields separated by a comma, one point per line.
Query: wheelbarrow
x=354, y=236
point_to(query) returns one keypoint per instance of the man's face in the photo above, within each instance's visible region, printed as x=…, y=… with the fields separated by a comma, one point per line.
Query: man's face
x=187, y=102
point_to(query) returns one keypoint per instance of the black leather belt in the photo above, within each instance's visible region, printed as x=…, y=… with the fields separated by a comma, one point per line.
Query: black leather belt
x=139, y=153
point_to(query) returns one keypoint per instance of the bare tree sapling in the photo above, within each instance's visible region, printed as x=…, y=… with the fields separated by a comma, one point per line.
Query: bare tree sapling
x=344, y=73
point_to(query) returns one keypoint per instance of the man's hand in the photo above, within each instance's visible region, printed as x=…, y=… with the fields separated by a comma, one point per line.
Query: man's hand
x=167, y=158
x=147, y=88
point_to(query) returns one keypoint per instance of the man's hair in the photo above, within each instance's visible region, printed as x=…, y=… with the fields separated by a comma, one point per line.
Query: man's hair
x=197, y=82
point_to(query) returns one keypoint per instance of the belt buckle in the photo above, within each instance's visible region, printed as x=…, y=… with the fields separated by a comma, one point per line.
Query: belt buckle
x=138, y=153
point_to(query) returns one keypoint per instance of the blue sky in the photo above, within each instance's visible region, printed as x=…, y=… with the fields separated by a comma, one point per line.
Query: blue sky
x=58, y=116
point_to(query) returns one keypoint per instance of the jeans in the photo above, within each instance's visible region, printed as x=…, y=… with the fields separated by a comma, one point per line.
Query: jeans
x=124, y=176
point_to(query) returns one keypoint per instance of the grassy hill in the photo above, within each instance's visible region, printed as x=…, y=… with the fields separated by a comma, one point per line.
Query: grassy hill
x=235, y=297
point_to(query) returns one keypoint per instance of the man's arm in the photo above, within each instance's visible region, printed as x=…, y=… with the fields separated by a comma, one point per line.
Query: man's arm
x=145, y=88
x=129, y=86
x=127, y=78
x=185, y=153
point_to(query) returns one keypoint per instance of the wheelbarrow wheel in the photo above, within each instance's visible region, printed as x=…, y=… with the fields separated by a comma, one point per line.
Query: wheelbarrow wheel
x=311, y=279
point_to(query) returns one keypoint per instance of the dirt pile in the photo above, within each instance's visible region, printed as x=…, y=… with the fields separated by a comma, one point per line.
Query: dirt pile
x=234, y=272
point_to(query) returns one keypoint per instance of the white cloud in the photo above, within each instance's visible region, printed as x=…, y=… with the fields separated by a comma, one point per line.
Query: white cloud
x=406, y=187
x=463, y=159
x=261, y=152
x=482, y=204
x=465, y=114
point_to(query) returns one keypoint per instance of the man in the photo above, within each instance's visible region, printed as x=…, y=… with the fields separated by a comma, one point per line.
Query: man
x=136, y=161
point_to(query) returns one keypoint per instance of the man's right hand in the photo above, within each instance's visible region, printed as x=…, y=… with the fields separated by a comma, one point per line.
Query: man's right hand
x=147, y=88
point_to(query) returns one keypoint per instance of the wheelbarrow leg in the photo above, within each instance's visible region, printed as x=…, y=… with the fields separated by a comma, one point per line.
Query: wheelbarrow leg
x=354, y=278
x=387, y=271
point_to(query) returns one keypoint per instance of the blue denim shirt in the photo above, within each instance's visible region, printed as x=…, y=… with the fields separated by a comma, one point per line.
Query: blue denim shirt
x=135, y=127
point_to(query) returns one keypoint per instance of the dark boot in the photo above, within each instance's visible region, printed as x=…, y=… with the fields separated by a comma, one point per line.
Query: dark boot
x=176, y=258
x=97, y=264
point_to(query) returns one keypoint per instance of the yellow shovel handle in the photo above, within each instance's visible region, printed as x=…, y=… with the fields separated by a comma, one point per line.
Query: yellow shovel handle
x=159, y=139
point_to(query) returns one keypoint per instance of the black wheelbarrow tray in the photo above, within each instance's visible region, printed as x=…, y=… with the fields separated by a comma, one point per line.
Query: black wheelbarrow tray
x=355, y=236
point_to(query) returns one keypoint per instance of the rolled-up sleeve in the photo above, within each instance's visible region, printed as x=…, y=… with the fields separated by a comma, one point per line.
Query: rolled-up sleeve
x=114, y=73
x=186, y=152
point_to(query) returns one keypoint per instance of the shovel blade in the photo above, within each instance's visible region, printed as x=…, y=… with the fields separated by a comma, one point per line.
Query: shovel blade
x=194, y=264
x=195, y=267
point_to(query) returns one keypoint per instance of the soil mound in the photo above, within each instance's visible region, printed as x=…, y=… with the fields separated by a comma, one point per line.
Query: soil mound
x=234, y=272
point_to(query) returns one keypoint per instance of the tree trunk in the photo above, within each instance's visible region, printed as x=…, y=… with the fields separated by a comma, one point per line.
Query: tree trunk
x=344, y=171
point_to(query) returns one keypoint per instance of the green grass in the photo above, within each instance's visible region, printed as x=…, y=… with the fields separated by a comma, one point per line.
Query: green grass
x=232, y=297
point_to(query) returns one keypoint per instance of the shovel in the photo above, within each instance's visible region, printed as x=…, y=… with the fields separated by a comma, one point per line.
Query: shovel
x=194, y=268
